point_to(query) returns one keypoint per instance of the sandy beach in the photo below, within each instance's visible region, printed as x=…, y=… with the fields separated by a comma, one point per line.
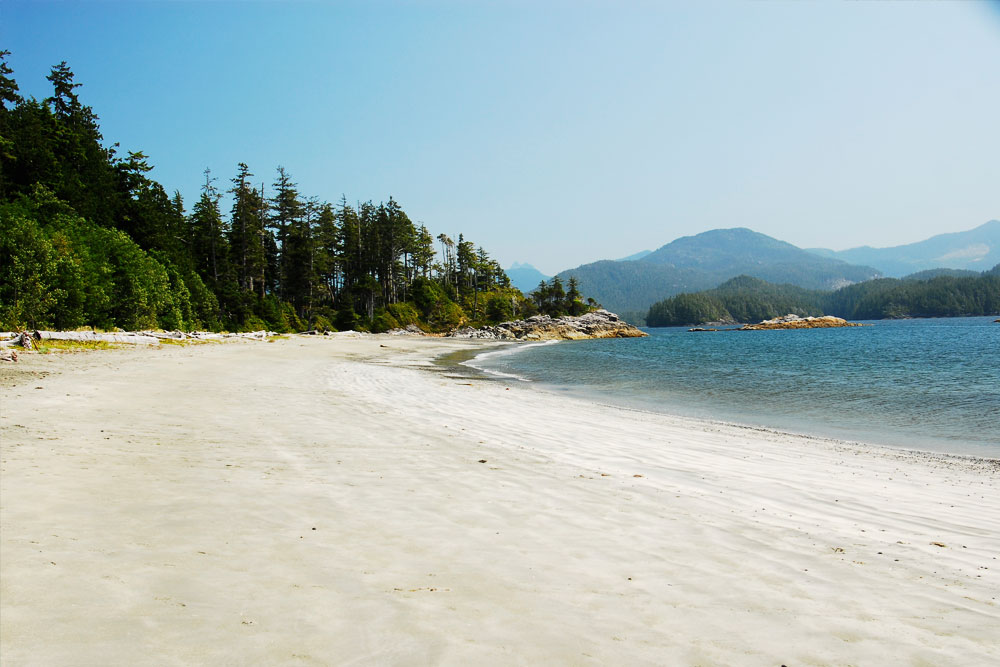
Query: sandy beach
x=345, y=501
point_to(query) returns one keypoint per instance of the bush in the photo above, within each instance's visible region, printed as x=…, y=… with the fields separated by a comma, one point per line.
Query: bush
x=382, y=322
x=321, y=323
x=499, y=308
x=27, y=272
x=446, y=316
x=404, y=313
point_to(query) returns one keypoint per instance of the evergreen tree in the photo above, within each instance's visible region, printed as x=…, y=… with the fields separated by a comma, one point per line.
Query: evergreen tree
x=247, y=233
x=423, y=251
x=292, y=222
x=207, y=236
x=326, y=251
x=9, y=101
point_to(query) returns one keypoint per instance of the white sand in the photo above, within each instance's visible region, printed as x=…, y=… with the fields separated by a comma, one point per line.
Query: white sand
x=292, y=503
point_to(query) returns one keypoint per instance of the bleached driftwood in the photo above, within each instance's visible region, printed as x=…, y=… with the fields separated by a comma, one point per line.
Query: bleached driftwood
x=165, y=335
x=129, y=338
x=22, y=339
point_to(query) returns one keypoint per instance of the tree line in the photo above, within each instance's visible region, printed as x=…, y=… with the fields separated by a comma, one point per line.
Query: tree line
x=748, y=299
x=89, y=238
x=553, y=299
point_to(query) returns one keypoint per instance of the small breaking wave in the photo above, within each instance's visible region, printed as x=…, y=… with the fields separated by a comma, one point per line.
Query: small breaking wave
x=477, y=361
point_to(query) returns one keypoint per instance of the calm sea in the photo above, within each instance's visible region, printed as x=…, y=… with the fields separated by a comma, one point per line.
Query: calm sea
x=931, y=384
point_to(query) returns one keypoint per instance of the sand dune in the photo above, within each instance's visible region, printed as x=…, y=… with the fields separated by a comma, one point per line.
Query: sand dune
x=331, y=502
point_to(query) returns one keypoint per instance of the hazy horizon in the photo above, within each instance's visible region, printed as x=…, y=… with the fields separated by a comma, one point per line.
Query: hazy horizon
x=559, y=134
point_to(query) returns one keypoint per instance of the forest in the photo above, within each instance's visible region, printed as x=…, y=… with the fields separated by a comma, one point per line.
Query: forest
x=89, y=239
x=748, y=299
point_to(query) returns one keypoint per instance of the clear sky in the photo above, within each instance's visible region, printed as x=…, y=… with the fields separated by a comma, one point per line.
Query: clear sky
x=557, y=133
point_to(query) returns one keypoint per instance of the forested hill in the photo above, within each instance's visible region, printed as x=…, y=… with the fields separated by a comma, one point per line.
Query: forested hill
x=702, y=261
x=746, y=299
x=89, y=238
x=722, y=251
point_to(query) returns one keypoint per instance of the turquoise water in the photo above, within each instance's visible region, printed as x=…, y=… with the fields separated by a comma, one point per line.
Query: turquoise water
x=931, y=384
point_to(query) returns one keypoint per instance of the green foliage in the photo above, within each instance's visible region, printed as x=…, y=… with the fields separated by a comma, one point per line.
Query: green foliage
x=403, y=313
x=204, y=304
x=67, y=273
x=321, y=323
x=382, y=322
x=687, y=309
x=554, y=300
x=446, y=316
x=500, y=307
x=27, y=271
x=943, y=296
x=347, y=319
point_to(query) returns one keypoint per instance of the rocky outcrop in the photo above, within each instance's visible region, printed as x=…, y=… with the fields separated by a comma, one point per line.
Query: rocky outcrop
x=795, y=322
x=596, y=324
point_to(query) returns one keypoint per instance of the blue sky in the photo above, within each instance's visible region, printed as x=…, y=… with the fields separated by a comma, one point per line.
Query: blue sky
x=558, y=133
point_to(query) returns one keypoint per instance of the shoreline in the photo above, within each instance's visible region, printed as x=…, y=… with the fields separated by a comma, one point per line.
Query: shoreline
x=596, y=395
x=317, y=500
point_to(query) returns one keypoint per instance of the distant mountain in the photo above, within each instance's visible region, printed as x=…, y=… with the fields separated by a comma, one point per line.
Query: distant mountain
x=974, y=250
x=694, y=263
x=525, y=277
x=632, y=286
x=726, y=253
x=638, y=255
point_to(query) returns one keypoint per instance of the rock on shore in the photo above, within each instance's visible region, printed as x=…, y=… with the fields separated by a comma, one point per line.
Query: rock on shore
x=596, y=324
x=791, y=321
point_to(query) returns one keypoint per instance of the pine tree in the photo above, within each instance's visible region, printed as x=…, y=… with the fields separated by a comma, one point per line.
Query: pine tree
x=247, y=232
x=64, y=101
x=208, y=246
x=8, y=96
x=289, y=218
x=574, y=303
x=423, y=251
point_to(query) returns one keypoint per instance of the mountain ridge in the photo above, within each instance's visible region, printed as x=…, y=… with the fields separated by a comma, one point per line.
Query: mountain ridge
x=702, y=261
x=974, y=249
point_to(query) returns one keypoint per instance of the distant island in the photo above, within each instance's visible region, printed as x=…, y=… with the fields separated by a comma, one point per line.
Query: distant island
x=747, y=299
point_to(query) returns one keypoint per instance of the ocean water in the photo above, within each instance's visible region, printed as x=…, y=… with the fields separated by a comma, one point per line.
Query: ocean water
x=929, y=384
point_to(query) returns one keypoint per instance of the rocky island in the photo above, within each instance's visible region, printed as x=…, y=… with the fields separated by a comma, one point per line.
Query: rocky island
x=596, y=324
x=792, y=321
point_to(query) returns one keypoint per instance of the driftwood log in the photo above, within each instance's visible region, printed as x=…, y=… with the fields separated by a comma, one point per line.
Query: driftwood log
x=22, y=339
x=165, y=335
